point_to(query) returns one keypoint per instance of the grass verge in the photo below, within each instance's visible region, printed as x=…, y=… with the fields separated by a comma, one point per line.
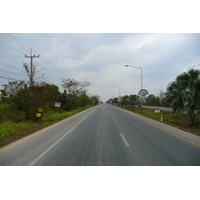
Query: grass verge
x=10, y=131
x=180, y=121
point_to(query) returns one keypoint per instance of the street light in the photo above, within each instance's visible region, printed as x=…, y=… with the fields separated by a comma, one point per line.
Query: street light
x=119, y=89
x=141, y=73
x=193, y=66
x=141, y=81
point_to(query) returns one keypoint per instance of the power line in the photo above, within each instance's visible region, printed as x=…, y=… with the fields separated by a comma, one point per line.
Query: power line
x=56, y=71
x=58, y=75
x=14, y=42
x=25, y=55
x=49, y=64
x=42, y=58
x=11, y=66
x=32, y=69
x=20, y=70
x=18, y=41
x=53, y=72
x=9, y=78
x=12, y=72
x=13, y=48
x=15, y=68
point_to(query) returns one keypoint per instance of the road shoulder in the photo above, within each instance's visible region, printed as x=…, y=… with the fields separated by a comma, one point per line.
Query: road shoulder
x=170, y=129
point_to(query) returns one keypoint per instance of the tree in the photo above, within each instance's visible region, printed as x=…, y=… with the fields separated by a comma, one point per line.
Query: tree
x=26, y=99
x=125, y=100
x=183, y=95
x=142, y=94
x=115, y=101
x=74, y=90
x=134, y=100
x=152, y=100
x=161, y=96
x=95, y=99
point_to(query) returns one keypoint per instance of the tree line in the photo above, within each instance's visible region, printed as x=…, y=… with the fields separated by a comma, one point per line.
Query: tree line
x=25, y=98
x=182, y=94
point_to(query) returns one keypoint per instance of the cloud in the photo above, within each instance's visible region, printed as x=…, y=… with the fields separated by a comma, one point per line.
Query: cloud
x=100, y=58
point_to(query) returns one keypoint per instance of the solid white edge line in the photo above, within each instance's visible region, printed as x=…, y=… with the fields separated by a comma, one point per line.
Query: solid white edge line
x=54, y=144
x=124, y=139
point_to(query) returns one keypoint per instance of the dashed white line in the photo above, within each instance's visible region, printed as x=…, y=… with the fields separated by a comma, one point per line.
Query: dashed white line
x=112, y=117
x=124, y=139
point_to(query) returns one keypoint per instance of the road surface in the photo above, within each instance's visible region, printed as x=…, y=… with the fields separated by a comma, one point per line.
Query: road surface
x=158, y=108
x=105, y=136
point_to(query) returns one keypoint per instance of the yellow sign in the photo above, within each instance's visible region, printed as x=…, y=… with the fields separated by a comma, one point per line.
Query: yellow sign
x=40, y=109
x=38, y=114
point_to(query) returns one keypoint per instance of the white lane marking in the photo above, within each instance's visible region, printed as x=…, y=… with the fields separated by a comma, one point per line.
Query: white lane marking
x=124, y=139
x=112, y=117
x=54, y=144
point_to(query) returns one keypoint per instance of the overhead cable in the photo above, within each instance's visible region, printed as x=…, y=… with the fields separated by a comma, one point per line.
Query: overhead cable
x=15, y=43
x=13, y=48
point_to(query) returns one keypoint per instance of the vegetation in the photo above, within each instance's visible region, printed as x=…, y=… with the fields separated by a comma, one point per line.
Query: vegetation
x=75, y=93
x=27, y=99
x=150, y=100
x=153, y=100
x=12, y=130
x=183, y=95
x=20, y=102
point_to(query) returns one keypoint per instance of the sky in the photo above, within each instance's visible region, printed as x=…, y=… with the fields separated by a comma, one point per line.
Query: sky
x=100, y=58
x=94, y=40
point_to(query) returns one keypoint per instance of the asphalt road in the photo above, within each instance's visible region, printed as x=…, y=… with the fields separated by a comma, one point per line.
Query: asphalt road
x=105, y=136
x=158, y=108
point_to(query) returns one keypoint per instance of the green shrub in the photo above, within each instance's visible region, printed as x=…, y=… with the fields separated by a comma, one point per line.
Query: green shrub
x=8, y=128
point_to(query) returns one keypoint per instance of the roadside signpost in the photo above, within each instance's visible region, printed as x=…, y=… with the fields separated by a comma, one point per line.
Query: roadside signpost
x=57, y=104
x=39, y=112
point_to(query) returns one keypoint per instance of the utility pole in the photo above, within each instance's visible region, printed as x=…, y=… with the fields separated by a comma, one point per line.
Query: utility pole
x=32, y=70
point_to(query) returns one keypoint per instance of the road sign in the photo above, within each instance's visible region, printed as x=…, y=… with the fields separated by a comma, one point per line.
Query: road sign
x=38, y=114
x=40, y=109
x=57, y=104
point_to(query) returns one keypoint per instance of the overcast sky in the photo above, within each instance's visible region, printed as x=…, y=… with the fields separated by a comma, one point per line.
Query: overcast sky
x=92, y=41
x=100, y=59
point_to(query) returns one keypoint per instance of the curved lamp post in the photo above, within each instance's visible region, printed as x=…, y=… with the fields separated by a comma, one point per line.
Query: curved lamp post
x=119, y=89
x=141, y=74
x=193, y=66
x=141, y=80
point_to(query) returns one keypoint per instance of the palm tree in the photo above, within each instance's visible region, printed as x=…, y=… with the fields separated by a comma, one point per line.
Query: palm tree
x=125, y=100
x=183, y=94
x=134, y=99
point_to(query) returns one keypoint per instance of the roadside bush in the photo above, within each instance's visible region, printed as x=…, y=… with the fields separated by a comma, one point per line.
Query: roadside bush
x=10, y=114
x=10, y=129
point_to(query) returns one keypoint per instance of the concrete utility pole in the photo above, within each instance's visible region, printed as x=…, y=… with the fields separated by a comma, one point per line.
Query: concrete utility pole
x=32, y=71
